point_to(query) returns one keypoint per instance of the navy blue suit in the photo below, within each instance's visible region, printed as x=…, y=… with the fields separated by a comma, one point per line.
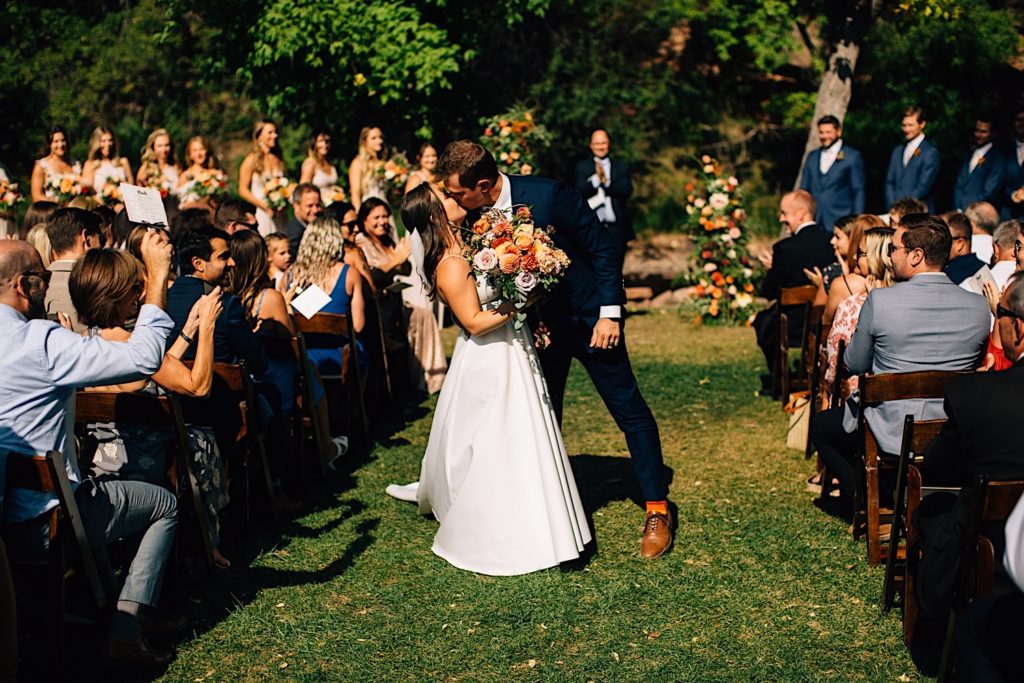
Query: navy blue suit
x=916, y=179
x=593, y=279
x=1013, y=180
x=838, y=193
x=984, y=184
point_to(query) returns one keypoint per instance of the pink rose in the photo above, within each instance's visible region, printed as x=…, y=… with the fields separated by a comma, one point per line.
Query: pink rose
x=485, y=260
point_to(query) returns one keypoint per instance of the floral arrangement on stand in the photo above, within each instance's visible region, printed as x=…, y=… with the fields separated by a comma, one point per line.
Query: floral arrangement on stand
x=392, y=174
x=723, y=272
x=278, y=192
x=65, y=187
x=10, y=197
x=514, y=255
x=514, y=138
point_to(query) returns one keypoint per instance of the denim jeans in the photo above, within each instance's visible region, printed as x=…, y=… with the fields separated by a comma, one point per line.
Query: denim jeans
x=114, y=509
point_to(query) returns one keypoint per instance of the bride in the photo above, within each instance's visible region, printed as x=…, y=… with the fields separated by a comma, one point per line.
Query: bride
x=495, y=473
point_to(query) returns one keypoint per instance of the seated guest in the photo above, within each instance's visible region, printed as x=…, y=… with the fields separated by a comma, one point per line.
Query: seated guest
x=924, y=322
x=189, y=219
x=976, y=439
x=105, y=287
x=1004, y=260
x=235, y=214
x=38, y=239
x=279, y=259
x=984, y=220
x=805, y=249
x=824, y=277
x=852, y=281
x=37, y=212
x=41, y=366
x=306, y=206
x=904, y=207
x=964, y=267
x=106, y=215
x=72, y=232
x=347, y=218
x=983, y=170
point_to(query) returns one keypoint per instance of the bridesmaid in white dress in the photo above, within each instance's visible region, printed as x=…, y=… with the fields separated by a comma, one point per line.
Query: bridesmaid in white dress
x=495, y=473
x=159, y=168
x=264, y=162
x=424, y=173
x=363, y=181
x=200, y=157
x=55, y=163
x=104, y=164
x=317, y=168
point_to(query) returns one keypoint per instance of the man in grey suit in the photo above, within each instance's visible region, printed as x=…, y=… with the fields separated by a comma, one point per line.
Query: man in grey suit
x=71, y=232
x=924, y=322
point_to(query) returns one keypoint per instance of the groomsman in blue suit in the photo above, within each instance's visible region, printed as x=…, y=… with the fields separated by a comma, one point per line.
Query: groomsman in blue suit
x=981, y=176
x=914, y=165
x=834, y=175
x=1013, y=183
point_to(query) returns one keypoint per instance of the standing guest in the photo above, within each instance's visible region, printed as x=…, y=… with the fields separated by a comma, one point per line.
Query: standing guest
x=159, y=168
x=363, y=181
x=306, y=206
x=607, y=185
x=41, y=367
x=72, y=233
x=807, y=248
x=924, y=322
x=104, y=164
x=984, y=218
x=260, y=165
x=317, y=168
x=913, y=166
x=235, y=214
x=37, y=212
x=1012, y=201
x=834, y=175
x=964, y=267
x=982, y=174
x=426, y=162
x=1002, y=246
x=279, y=258
x=47, y=171
x=199, y=159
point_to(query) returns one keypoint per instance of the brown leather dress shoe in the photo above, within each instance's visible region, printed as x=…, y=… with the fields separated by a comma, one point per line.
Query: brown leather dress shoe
x=137, y=653
x=158, y=625
x=657, y=537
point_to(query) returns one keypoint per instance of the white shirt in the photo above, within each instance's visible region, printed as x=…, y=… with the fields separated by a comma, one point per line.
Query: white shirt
x=1002, y=271
x=828, y=156
x=1020, y=151
x=802, y=226
x=977, y=155
x=908, y=151
x=604, y=210
x=504, y=204
x=981, y=245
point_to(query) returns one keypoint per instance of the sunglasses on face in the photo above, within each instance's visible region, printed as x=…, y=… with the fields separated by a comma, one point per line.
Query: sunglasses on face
x=894, y=247
x=1004, y=312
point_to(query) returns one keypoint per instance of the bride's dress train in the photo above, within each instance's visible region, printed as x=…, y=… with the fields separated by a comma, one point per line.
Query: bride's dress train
x=495, y=473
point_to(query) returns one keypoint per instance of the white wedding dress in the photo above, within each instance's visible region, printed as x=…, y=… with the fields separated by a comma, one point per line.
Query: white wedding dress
x=495, y=473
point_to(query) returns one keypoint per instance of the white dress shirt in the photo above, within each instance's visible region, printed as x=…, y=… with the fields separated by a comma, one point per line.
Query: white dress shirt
x=981, y=246
x=504, y=204
x=908, y=151
x=1020, y=151
x=605, y=212
x=41, y=366
x=1002, y=271
x=977, y=155
x=829, y=155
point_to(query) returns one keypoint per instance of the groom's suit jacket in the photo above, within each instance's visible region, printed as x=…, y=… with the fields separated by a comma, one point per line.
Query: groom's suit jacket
x=594, y=276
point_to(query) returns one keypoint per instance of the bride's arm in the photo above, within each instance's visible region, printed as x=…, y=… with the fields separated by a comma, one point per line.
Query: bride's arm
x=455, y=282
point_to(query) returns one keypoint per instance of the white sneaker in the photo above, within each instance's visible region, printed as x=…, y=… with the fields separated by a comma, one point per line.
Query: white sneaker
x=406, y=492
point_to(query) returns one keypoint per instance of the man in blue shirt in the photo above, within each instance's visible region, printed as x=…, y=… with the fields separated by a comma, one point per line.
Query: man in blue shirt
x=41, y=366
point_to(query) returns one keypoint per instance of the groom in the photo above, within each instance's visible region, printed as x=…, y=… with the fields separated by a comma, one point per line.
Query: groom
x=584, y=313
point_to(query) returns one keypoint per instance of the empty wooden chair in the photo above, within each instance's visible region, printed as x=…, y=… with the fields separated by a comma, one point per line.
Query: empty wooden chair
x=791, y=300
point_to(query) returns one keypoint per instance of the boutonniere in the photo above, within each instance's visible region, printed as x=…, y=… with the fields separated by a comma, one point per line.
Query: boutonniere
x=840, y=156
x=917, y=152
x=981, y=160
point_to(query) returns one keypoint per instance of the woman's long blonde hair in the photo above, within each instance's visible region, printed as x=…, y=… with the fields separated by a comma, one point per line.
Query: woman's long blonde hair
x=150, y=165
x=211, y=159
x=876, y=246
x=257, y=151
x=370, y=160
x=321, y=248
x=94, y=144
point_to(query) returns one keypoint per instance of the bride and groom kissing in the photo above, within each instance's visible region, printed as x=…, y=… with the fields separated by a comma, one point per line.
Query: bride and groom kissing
x=495, y=473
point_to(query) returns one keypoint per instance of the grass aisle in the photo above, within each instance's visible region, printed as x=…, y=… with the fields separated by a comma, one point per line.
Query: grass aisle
x=761, y=586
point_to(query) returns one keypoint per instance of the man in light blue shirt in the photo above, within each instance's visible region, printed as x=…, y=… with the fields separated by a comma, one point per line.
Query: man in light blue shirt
x=41, y=366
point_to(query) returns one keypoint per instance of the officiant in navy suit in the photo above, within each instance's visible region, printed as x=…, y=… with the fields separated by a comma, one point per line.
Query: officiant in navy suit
x=834, y=175
x=584, y=312
x=982, y=174
x=913, y=166
x=606, y=184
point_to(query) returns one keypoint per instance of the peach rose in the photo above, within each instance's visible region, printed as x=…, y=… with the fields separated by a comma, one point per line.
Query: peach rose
x=524, y=241
x=509, y=263
x=481, y=225
x=506, y=247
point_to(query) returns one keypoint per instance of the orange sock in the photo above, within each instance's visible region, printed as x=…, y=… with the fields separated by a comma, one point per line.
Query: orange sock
x=657, y=506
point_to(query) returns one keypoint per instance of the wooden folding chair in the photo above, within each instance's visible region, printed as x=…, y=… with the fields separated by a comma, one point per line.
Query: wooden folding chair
x=835, y=399
x=876, y=389
x=790, y=298
x=339, y=326
x=917, y=436
x=306, y=423
x=159, y=412
x=815, y=369
x=48, y=474
x=992, y=502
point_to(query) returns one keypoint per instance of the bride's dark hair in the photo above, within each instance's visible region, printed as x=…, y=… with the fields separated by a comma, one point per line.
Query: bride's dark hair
x=423, y=211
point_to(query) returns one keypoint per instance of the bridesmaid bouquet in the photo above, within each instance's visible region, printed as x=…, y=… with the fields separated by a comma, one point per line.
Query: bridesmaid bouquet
x=158, y=182
x=65, y=187
x=211, y=182
x=9, y=196
x=110, y=193
x=279, y=192
x=514, y=255
x=393, y=173
x=336, y=193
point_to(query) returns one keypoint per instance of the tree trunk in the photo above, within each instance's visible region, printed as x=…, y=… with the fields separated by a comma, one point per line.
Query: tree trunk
x=851, y=22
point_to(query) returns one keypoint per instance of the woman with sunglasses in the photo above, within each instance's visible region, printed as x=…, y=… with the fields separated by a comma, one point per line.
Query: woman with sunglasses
x=841, y=279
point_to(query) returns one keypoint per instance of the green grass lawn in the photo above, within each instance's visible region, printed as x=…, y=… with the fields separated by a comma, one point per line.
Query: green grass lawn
x=761, y=586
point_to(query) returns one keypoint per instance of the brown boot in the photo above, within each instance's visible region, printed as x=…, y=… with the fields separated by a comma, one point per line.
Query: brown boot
x=657, y=537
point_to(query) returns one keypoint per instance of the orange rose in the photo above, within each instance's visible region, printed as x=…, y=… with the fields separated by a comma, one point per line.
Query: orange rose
x=524, y=241
x=748, y=287
x=506, y=247
x=509, y=263
x=481, y=226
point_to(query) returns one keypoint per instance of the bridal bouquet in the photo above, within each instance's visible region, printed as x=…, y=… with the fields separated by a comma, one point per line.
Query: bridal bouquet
x=110, y=193
x=514, y=255
x=211, y=182
x=65, y=187
x=279, y=192
x=9, y=196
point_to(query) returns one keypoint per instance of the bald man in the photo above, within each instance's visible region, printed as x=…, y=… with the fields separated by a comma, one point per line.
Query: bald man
x=607, y=185
x=805, y=247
